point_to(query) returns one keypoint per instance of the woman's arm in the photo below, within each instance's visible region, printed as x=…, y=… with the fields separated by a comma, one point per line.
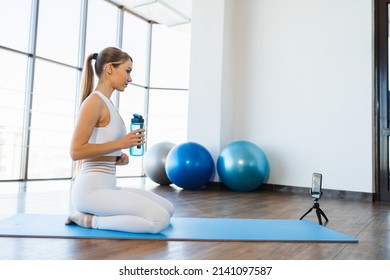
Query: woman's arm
x=90, y=116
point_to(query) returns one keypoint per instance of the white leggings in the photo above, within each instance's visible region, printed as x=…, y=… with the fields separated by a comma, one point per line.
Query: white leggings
x=113, y=208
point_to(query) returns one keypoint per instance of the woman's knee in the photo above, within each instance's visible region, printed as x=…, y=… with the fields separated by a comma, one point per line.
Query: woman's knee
x=170, y=208
x=160, y=221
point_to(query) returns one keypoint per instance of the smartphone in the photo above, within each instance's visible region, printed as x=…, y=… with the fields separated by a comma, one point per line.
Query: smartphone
x=316, y=185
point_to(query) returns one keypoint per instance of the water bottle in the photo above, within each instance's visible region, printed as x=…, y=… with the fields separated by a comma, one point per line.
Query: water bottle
x=137, y=122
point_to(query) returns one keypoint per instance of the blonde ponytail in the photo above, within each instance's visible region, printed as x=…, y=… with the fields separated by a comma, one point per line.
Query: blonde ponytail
x=88, y=79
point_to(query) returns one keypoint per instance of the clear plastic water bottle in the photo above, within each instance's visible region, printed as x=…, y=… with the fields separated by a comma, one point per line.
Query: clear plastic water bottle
x=137, y=122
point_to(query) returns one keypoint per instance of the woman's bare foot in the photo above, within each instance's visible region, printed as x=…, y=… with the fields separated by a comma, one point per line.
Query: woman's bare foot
x=80, y=219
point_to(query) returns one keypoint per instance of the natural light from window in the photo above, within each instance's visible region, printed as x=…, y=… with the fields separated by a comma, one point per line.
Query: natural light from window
x=36, y=126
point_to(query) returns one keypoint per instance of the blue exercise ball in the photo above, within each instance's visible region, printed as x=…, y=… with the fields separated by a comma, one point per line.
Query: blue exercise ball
x=243, y=166
x=189, y=165
x=154, y=162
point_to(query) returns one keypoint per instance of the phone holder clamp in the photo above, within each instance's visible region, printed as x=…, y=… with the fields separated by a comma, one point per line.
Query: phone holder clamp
x=319, y=212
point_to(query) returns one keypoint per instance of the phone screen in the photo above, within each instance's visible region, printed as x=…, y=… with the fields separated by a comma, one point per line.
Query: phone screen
x=316, y=185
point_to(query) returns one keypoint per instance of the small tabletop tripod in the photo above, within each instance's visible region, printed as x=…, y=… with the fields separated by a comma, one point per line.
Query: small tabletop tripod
x=319, y=212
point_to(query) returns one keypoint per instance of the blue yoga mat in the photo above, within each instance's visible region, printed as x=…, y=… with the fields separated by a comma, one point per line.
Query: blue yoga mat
x=218, y=229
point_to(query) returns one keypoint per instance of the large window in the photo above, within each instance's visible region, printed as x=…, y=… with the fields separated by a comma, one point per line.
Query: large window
x=54, y=87
x=136, y=42
x=12, y=88
x=101, y=26
x=169, y=82
x=40, y=74
x=12, y=83
x=52, y=120
x=167, y=116
x=57, y=36
x=170, y=58
x=15, y=14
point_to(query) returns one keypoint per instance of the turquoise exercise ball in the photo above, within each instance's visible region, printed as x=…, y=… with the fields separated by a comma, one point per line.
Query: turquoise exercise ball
x=154, y=162
x=189, y=165
x=243, y=166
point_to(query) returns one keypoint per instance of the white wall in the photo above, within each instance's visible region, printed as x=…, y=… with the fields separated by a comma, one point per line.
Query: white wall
x=292, y=76
x=206, y=71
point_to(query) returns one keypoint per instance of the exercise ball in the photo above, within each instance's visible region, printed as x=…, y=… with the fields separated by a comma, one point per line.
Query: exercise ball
x=242, y=166
x=154, y=162
x=189, y=165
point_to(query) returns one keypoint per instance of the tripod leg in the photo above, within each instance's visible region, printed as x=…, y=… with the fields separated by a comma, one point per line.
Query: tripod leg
x=308, y=211
x=323, y=214
x=319, y=215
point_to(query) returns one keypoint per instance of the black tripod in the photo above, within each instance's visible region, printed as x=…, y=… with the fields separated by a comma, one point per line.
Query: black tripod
x=319, y=212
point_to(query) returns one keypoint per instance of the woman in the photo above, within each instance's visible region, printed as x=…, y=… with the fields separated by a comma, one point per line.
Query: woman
x=98, y=138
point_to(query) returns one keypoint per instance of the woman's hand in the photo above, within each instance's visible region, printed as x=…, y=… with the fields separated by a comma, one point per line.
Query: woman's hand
x=123, y=159
x=134, y=138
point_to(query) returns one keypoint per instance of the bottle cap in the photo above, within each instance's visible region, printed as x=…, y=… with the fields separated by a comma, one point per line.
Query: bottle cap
x=137, y=118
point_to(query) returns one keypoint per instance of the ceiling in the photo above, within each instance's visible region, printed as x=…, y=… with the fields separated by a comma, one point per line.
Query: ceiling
x=167, y=12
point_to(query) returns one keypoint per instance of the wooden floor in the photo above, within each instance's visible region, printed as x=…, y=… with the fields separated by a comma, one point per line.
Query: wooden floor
x=366, y=221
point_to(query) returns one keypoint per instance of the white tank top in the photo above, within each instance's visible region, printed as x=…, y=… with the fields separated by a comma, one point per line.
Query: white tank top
x=114, y=130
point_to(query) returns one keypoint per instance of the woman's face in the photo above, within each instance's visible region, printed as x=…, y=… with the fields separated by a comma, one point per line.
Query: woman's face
x=121, y=75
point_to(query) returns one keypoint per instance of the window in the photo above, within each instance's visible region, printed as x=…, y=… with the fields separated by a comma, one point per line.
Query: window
x=136, y=34
x=169, y=82
x=36, y=126
x=167, y=116
x=15, y=14
x=52, y=120
x=12, y=88
x=101, y=26
x=58, y=36
x=170, y=58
